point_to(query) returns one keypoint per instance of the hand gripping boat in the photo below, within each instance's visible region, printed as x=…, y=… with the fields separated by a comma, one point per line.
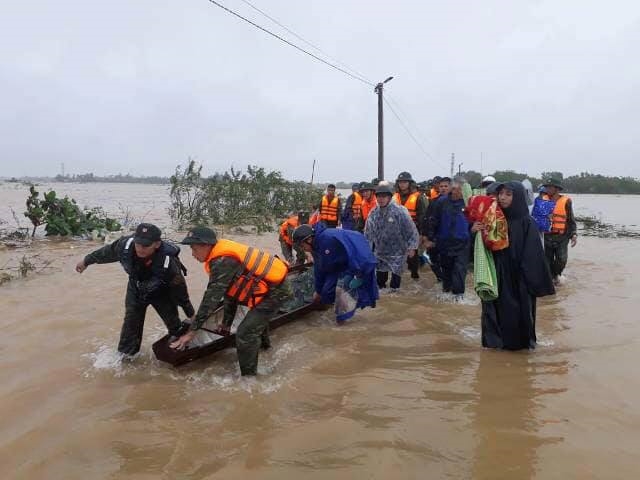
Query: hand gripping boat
x=207, y=342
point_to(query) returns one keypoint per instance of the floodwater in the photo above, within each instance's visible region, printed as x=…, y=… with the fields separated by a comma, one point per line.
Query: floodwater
x=402, y=391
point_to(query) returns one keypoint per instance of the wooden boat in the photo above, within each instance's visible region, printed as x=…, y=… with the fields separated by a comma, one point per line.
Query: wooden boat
x=301, y=278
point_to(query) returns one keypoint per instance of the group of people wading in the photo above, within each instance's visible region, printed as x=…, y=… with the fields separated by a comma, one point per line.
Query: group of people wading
x=517, y=256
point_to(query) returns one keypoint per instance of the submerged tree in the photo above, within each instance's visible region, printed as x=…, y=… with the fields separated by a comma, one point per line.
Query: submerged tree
x=62, y=216
x=257, y=197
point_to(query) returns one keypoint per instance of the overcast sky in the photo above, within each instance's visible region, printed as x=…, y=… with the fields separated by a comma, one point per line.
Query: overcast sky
x=137, y=86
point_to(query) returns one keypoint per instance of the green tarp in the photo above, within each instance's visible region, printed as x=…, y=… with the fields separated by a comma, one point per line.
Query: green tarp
x=485, y=280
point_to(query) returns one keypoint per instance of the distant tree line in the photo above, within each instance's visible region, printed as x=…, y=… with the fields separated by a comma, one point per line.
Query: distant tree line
x=585, y=182
x=119, y=178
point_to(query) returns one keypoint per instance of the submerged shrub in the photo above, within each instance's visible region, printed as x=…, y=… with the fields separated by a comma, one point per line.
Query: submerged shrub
x=257, y=197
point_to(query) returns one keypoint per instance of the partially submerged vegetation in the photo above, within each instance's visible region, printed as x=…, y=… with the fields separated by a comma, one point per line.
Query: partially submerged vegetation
x=23, y=267
x=257, y=197
x=63, y=216
x=592, y=226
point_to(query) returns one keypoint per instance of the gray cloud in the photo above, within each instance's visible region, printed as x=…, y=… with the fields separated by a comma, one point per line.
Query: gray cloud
x=140, y=86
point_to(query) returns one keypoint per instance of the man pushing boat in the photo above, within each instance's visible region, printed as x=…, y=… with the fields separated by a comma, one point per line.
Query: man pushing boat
x=238, y=275
x=344, y=268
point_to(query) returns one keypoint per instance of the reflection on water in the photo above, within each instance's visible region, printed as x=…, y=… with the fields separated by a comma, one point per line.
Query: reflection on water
x=506, y=414
x=401, y=391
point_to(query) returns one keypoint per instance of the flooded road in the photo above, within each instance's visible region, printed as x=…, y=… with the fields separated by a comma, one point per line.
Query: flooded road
x=402, y=391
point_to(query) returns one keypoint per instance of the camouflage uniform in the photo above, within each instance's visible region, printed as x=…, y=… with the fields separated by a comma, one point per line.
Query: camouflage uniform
x=253, y=330
x=421, y=212
x=160, y=284
x=556, y=245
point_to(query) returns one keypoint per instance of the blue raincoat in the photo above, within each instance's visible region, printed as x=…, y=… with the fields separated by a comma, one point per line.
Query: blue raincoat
x=541, y=213
x=340, y=255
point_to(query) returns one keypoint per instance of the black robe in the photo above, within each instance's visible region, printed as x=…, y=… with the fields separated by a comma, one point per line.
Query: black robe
x=523, y=275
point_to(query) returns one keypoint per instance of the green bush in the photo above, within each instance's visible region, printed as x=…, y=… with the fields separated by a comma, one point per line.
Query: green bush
x=259, y=198
x=62, y=216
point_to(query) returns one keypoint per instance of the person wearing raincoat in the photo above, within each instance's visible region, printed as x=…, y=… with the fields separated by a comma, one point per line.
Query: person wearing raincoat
x=392, y=235
x=343, y=267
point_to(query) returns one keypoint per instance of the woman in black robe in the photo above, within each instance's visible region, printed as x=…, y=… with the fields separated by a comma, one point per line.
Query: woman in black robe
x=509, y=322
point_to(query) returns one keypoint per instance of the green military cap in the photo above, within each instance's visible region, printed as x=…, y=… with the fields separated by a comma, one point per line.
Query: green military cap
x=553, y=182
x=200, y=235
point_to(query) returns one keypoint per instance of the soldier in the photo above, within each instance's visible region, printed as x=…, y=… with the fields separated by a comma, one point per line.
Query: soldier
x=155, y=278
x=238, y=275
x=417, y=205
x=563, y=230
x=285, y=233
x=330, y=207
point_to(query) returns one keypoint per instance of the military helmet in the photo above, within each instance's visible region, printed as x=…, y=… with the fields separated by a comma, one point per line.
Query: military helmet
x=404, y=176
x=303, y=232
x=200, y=235
x=384, y=190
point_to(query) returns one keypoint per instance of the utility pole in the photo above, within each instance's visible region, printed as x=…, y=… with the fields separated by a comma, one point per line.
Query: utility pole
x=313, y=170
x=460, y=168
x=378, y=89
x=453, y=161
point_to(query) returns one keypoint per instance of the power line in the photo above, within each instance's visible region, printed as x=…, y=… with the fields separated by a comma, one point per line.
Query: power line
x=427, y=154
x=306, y=41
x=406, y=117
x=356, y=77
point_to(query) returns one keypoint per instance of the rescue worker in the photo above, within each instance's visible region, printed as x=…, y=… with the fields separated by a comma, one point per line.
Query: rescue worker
x=238, y=275
x=330, y=208
x=451, y=231
x=369, y=202
x=351, y=212
x=156, y=278
x=393, y=237
x=417, y=206
x=423, y=188
x=339, y=257
x=563, y=230
x=286, y=241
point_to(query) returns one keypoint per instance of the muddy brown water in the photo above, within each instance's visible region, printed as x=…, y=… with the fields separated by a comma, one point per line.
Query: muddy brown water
x=402, y=391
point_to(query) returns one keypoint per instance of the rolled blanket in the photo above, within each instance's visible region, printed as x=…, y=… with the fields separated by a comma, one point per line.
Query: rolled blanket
x=485, y=280
x=485, y=209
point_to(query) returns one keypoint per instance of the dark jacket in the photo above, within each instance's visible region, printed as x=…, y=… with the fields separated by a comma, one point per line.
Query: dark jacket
x=150, y=280
x=448, y=226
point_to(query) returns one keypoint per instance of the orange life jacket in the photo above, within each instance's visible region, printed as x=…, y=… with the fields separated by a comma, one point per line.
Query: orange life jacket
x=410, y=204
x=367, y=206
x=559, y=215
x=356, y=206
x=261, y=271
x=329, y=210
x=435, y=193
x=314, y=218
x=284, y=229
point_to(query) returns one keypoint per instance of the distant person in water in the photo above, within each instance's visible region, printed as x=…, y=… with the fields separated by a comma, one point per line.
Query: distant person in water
x=563, y=230
x=509, y=322
x=156, y=278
